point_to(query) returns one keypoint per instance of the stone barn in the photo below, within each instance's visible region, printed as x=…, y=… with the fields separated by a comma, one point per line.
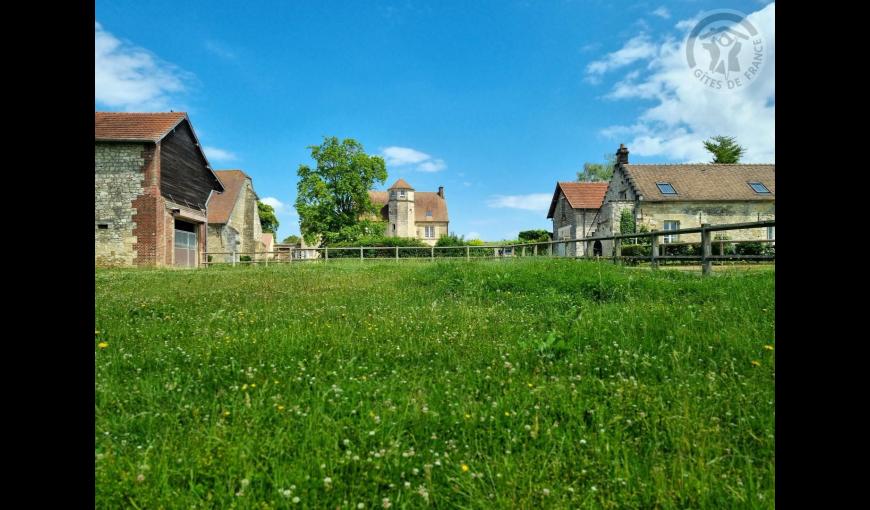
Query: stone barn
x=573, y=210
x=676, y=196
x=233, y=218
x=152, y=185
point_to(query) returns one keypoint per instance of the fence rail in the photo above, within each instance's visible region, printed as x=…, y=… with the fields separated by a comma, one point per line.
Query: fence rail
x=536, y=249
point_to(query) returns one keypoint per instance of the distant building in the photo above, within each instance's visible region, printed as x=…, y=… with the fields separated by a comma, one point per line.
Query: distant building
x=416, y=214
x=233, y=218
x=677, y=196
x=573, y=210
x=152, y=184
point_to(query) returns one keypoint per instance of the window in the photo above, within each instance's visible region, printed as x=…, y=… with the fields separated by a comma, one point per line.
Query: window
x=771, y=233
x=394, y=227
x=672, y=225
x=759, y=188
x=392, y=194
x=401, y=193
x=428, y=213
x=666, y=188
x=103, y=226
x=430, y=232
x=622, y=195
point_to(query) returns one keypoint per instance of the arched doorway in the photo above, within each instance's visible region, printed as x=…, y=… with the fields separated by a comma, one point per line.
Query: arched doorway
x=596, y=249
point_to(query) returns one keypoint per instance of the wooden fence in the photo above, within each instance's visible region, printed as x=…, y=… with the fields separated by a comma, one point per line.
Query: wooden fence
x=547, y=248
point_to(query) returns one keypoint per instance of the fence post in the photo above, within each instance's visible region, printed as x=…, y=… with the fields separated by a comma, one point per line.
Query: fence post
x=234, y=258
x=432, y=254
x=360, y=252
x=617, y=251
x=706, y=250
x=327, y=253
x=467, y=253
x=536, y=250
x=267, y=260
x=397, y=253
x=524, y=251
x=654, y=251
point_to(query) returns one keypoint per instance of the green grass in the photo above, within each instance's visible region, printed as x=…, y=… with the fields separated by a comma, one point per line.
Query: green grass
x=558, y=383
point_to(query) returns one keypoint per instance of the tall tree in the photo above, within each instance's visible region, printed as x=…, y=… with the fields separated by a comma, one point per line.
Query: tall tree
x=593, y=172
x=724, y=149
x=268, y=220
x=333, y=197
x=291, y=239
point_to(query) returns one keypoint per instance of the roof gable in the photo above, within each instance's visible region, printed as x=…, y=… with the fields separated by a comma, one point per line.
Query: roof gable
x=221, y=206
x=702, y=182
x=423, y=201
x=401, y=184
x=135, y=127
x=580, y=195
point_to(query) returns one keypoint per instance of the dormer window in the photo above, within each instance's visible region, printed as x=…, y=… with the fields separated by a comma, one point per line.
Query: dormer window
x=759, y=188
x=428, y=213
x=666, y=189
x=401, y=193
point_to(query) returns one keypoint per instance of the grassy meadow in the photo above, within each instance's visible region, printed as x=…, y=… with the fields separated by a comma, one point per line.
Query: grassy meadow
x=545, y=383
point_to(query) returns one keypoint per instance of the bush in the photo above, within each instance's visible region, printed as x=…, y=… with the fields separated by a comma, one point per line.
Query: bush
x=245, y=258
x=636, y=250
x=754, y=248
x=680, y=249
x=209, y=258
x=379, y=247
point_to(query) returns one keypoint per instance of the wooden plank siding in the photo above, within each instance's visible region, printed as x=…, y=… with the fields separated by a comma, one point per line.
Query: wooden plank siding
x=184, y=176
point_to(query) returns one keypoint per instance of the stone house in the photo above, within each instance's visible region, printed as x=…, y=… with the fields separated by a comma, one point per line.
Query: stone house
x=408, y=213
x=233, y=218
x=676, y=196
x=573, y=210
x=152, y=184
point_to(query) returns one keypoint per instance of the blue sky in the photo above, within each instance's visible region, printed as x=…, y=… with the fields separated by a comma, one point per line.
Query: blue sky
x=495, y=101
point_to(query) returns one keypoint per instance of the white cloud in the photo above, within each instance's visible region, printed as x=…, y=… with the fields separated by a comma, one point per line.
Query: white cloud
x=398, y=156
x=131, y=78
x=433, y=165
x=213, y=153
x=275, y=203
x=638, y=48
x=662, y=12
x=405, y=156
x=220, y=49
x=685, y=112
x=530, y=202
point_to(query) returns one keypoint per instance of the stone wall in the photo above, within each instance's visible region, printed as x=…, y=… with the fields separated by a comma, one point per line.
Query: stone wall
x=693, y=214
x=118, y=183
x=440, y=230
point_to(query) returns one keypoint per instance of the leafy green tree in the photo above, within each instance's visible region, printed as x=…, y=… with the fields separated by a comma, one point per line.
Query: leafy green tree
x=292, y=239
x=333, y=198
x=724, y=149
x=268, y=220
x=597, y=172
x=534, y=236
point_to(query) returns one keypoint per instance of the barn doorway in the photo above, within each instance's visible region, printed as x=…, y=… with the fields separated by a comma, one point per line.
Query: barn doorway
x=596, y=249
x=185, y=244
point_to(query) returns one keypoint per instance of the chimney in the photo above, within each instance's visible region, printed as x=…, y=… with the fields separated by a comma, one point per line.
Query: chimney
x=441, y=191
x=622, y=155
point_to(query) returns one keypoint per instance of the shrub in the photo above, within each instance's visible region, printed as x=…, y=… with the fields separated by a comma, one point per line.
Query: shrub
x=754, y=248
x=245, y=258
x=379, y=247
x=636, y=250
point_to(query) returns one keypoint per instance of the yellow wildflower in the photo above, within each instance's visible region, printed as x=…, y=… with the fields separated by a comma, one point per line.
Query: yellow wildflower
x=244, y=387
x=103, y=345
x=226, y=413
x=756, y=363
x=280, y=408
x=464, y=468
x=768, y=347
x=253, y=385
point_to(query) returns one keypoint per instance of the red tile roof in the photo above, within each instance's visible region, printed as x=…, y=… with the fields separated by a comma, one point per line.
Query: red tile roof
x=401, y=184
x=580, y=195
x=423, y=201
x=702, y=181
x=221, y=205
x=135, y=127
